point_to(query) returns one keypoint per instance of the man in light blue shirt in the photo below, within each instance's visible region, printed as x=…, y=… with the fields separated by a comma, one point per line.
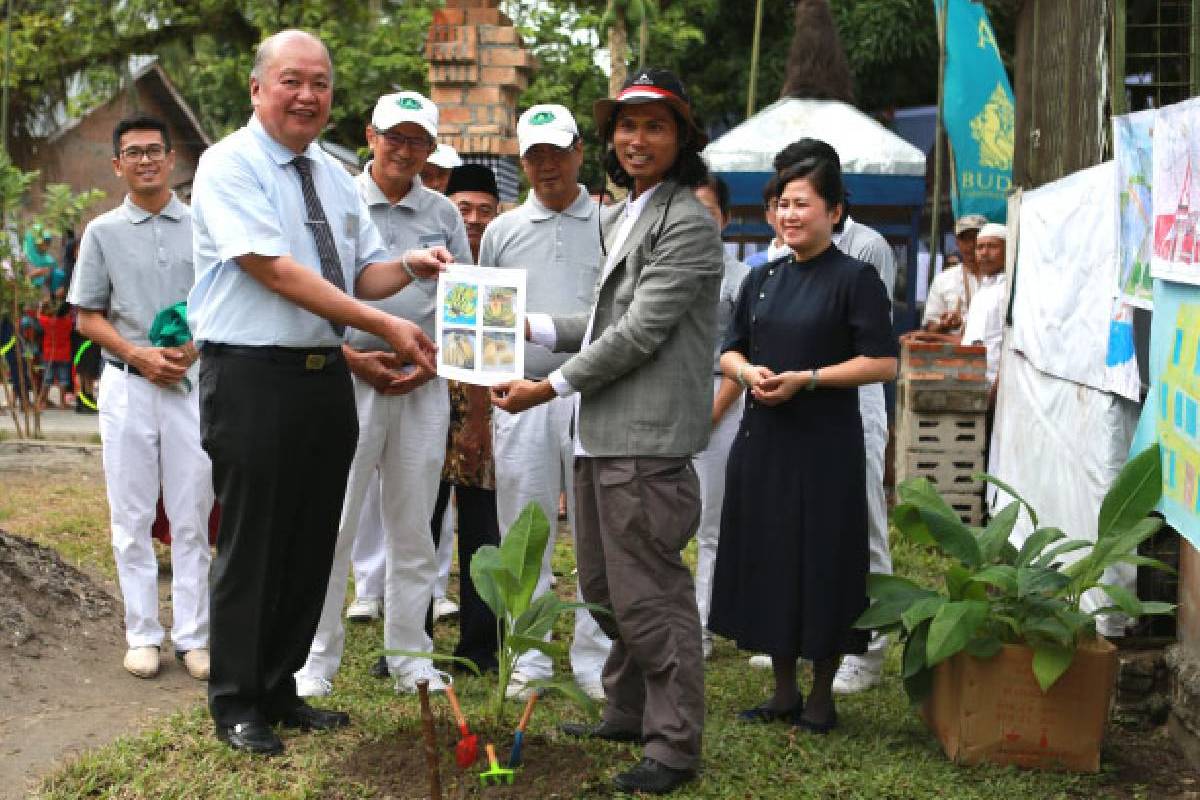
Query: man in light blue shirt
x=555, y=237
x=280, y=236
x=402, y=418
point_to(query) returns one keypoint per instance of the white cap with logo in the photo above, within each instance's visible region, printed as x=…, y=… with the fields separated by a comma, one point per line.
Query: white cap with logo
x=445, y=156
x=546, y=124
x=393, y=109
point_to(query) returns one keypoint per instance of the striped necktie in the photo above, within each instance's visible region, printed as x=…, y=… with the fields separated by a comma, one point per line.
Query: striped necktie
x=331, y=264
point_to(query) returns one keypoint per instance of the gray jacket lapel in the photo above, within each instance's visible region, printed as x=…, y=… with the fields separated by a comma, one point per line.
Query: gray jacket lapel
x=649, y=217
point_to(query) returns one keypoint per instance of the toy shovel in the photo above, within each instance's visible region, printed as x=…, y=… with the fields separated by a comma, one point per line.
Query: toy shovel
x=495, y=774
x=467, y=749
x=514, y=758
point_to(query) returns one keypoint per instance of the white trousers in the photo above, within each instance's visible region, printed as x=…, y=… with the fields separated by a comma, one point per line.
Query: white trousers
x=401, y=445
x=710, y=469
x=873, y=408
x=150, y=440
x=534, y=462
x=445, y=552
x=367, y=554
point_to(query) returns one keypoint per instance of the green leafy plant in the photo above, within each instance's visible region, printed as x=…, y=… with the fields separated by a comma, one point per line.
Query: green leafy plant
x=995, y=593
x=506, y=577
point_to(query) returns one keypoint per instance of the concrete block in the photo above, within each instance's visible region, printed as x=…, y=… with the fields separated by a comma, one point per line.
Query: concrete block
x=941, y=431
x=949, y=472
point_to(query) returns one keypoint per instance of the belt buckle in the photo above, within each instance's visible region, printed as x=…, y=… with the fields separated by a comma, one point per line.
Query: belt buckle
x=314, y=361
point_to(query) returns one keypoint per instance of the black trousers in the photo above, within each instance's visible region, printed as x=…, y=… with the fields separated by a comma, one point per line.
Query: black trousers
x=477, y=526
x=280, y=428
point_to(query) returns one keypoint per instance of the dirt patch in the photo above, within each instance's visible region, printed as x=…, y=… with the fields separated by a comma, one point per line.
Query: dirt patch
x=396, y=768
x=1140, y=764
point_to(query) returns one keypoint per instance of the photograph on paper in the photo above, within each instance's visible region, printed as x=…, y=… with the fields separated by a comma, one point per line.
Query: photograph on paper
x=481, y=324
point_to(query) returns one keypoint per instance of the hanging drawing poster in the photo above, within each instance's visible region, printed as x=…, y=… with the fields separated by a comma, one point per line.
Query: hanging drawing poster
x=1176, y=197
x=1133, y=147
x=481, y=324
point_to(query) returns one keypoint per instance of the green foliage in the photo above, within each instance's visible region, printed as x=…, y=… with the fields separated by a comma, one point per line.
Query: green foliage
x=996, y=594
x=506, y=577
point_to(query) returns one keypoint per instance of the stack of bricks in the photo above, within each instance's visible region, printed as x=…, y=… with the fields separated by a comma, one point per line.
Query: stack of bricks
x=941, y=411
x=477, y=69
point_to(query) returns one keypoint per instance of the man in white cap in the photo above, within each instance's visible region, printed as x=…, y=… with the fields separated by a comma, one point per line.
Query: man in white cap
x=402, y=429
x=953, y=288
x=436, y=172
x=985, y=318
x=555, y=236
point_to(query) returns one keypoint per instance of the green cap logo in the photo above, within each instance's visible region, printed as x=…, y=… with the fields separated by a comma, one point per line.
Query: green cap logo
x=542, y=118
x=410, y=103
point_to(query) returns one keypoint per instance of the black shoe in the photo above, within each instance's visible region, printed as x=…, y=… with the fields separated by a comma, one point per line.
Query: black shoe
x=307, y=718
x=380, y=668
x=653, y=777
x=606, y=731
x=763, y=713
x=251, y=737
x=821, y=728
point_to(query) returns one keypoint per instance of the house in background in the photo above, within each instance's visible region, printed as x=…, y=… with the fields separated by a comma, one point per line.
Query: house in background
x=79, y=153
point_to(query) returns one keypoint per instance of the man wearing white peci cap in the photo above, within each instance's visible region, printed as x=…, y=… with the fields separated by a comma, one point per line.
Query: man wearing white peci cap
x=403, y=410
x=555, y=236
x=985, y=318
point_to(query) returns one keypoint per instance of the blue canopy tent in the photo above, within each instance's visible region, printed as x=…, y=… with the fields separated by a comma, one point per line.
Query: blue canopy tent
x=884, y=174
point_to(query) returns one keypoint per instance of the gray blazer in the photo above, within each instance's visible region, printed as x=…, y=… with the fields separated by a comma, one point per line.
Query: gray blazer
x=645, y=376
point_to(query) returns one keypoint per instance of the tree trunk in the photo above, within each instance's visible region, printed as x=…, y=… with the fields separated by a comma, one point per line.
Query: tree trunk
x=618, y=49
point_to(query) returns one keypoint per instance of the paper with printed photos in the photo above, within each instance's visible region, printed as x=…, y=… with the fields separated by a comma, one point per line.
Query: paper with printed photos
x=481, y=324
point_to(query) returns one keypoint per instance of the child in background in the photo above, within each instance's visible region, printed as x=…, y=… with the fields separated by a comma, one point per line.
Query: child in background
x=56, y=350
x=31, y=348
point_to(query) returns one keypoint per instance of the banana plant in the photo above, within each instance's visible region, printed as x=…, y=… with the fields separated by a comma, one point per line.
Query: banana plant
x=996, y=593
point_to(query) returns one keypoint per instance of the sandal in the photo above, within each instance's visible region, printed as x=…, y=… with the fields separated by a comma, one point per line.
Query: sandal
x=763, y=713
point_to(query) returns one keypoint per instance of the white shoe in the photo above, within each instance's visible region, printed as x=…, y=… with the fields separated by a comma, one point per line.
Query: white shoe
x=444, y=607
x=518, y=686
x=591, y=685
x=142, y=661
x=364, y=609
x=312, y=686
x=706, y=645
x=760, y=661
x=855, y=675
x=406, y=683
x=196, y=662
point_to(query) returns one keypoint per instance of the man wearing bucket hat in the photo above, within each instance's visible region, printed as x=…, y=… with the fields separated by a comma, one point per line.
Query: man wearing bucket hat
x=555, y=236
x=438, y=166
x=953, y=288
x=402, y=416
x=643, y=387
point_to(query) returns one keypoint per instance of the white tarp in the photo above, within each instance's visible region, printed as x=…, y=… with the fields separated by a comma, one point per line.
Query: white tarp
x=1066, y=267
x=1060, y=444
x=864, y=146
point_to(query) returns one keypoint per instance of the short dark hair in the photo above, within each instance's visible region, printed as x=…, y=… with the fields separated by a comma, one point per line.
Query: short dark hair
x=721, y=189
x=688, y=170
x=140, y=122
x=770, y=190
x=824, y=175
x=809, y=148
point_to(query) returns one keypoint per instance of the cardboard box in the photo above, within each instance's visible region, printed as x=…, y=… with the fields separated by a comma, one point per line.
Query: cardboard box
x=994, y=711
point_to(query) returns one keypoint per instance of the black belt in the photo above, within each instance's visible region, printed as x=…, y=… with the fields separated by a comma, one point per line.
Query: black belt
x=307, y=358
x=121, y=365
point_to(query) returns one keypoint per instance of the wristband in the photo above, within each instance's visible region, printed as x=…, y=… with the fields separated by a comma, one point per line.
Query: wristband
x=407, y=268
x=812, y=380
x=740, y=378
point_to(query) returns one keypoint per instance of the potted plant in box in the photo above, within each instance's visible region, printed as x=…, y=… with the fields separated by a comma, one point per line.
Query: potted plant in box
x=997, y=655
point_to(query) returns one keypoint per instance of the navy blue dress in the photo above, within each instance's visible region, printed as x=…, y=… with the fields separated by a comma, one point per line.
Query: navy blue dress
x=792, y=560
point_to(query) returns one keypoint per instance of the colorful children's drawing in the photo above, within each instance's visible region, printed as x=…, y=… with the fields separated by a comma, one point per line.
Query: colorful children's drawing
x=481, y=327
x=1176, y=196
x=498, y=308
x=460, y=304
x=458, y=348
x=499, y=350
x=1133, y=146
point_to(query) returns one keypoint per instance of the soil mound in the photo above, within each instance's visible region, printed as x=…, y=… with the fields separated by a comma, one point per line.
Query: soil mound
x=44, y=601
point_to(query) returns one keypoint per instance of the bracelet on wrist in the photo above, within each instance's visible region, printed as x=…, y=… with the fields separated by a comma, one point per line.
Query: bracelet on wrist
x=741, y=378
x=407, y=268
x=812, y=379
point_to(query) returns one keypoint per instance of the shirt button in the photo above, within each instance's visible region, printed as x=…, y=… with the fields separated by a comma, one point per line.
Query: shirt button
x=762, y=295
x=770, y=272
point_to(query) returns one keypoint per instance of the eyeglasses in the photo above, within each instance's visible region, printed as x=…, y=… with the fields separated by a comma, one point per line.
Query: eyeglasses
x=155, y=152
x=400, y=140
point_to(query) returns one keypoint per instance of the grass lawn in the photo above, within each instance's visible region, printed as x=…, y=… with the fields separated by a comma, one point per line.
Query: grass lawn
x=881, y=750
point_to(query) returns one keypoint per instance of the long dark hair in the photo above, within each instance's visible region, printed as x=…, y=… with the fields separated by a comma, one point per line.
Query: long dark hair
x=688, y=170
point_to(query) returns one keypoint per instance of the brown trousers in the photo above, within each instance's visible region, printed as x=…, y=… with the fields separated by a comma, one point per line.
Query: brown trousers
x=633, y=517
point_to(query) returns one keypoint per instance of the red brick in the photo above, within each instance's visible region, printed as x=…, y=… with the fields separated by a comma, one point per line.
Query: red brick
x=449, y=16
x=455, y=115
x=972, y=377
x=483, y=130
x=954, y=362
x=443, y=95
x=925, y=376
x=462, y=46
x=503, y=76
x=505, y=57
x=487, y=95
x=485, y=16
x=452, y=74
x=498, y=34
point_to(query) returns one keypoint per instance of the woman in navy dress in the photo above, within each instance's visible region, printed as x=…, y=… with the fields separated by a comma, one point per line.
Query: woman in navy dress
x=809, y=329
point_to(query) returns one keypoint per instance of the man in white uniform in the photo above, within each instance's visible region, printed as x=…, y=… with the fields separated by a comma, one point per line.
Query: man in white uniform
x=134, y=262
x=555, y=236
x=402, y=436
x=953, y=288
x=985, y=319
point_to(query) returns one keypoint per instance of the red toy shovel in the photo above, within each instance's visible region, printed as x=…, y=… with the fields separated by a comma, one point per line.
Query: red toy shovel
x=467, y=749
